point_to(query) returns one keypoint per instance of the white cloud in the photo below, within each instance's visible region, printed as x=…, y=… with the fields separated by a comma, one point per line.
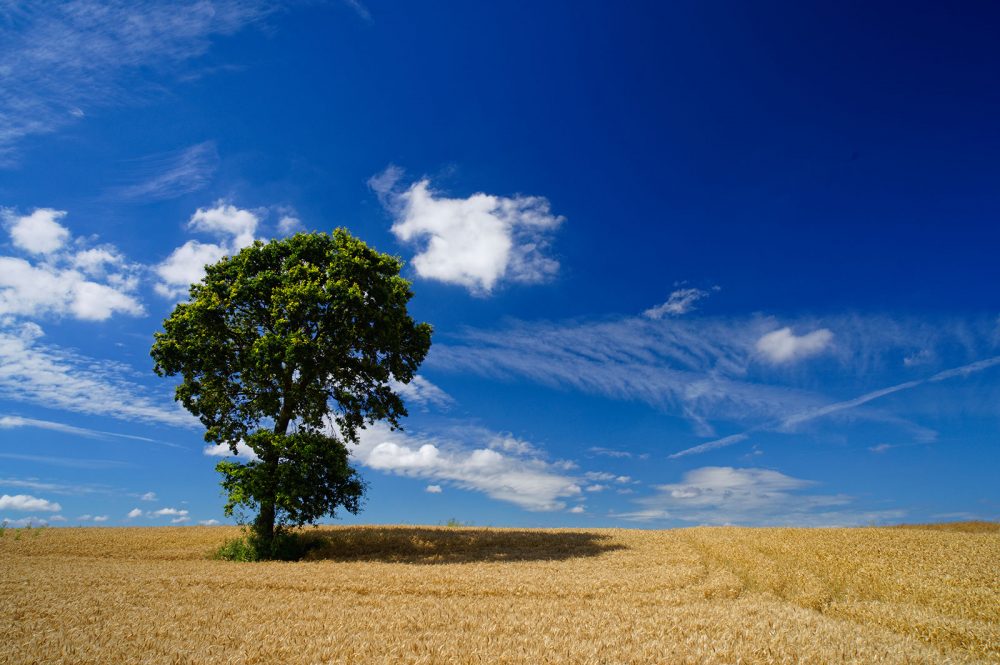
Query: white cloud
x=604, y=476
x=595, y=488
x=423, y=393
x=577, y=509
x=243, y=451
x=169, y=175
x=727, y=495
x=782, y=345
x=168, y=512
x=185, y=266
x=433, y=489
x=39, y=232
x=148, y=496
x=26, y=521
x=101, y=518
x=60, y=60
x=528, y=482
x=11, y=422
x=62, y=379
x=27, y=502
x=180, y=520
x=476, y=242
x=288, y=225
x=235, y=229
x=63, y=282
x=226, y=221
x=511, y=444
x=208, y=522
x=135, y=512
x=610, y=452
x=680, y=302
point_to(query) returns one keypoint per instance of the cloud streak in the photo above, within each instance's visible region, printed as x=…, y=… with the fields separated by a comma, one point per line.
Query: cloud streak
x=791, y=422
x=58, y=378
x=61, y=60
x=750, y=496
x=711, y=372
x=169, y=175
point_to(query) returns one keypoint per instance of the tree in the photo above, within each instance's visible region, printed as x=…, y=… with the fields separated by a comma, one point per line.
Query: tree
x=277, y=344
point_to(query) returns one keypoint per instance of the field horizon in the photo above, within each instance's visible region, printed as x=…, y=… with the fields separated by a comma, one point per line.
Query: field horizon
x=395, y=593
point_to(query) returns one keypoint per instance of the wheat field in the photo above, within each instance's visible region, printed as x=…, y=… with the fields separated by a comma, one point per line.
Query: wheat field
x=471, y=595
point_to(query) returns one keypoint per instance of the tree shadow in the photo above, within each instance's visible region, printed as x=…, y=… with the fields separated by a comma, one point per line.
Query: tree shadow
x=429, y=545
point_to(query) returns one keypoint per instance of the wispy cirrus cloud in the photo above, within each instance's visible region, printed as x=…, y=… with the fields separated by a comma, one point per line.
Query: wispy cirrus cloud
x=790, y=423
x=12, y=422
x=711, y=370
x=62, y=60
x=421, y=392
x=169, y=175
x=753, y=497
x=59, y=378
x=681, y=301
x=68, y=462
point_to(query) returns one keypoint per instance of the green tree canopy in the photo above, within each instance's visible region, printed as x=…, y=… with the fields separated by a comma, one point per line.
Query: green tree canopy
x=274, y=343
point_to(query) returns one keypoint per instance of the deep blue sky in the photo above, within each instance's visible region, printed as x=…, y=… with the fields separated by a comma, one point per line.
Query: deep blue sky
x=686, y=263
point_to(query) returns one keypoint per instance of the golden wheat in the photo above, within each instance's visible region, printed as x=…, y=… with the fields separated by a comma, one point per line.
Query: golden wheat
x=442, y=595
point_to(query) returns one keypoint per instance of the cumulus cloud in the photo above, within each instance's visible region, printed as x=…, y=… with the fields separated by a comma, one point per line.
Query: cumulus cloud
x=39, y=232
x=90, y=284
x=526, y=481
x=168, y=512
x=208, y=522
x=423, y=393
x=498, y=464
x=135, y=512
x=148, y=496
x=433, y=489
x=28, y=502
x=234, y=229
x=243, y=451
x=577, y=510
x=680, y=302
x=783, y=346
x=476, y=242
x=751, y=496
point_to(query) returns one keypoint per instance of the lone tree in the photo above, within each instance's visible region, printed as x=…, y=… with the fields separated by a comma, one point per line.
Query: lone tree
x=273, y=342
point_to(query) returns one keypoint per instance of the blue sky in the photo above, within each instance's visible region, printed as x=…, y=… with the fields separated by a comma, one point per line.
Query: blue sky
x=686, y=263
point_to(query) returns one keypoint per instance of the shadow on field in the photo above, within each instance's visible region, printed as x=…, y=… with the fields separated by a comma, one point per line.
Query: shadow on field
x=452, y=545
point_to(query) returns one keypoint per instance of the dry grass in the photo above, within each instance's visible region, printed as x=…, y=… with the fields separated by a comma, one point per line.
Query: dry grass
x=438, y=595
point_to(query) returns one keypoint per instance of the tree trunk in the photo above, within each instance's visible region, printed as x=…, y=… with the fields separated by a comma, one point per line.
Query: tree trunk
x=264, y=524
